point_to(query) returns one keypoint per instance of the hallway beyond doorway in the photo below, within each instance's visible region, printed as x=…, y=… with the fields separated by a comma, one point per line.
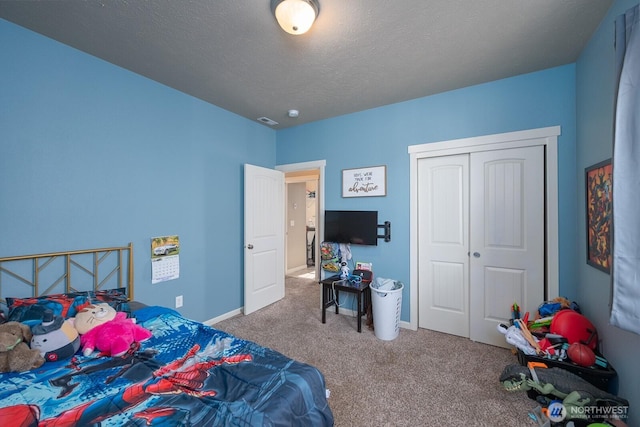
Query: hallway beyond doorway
x=307, y=273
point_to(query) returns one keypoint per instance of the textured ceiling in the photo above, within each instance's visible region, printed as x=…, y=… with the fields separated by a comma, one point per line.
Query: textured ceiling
x=359, y=54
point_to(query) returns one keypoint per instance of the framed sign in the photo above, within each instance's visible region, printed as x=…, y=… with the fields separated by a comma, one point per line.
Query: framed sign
x=364, y=182
x=599, y=200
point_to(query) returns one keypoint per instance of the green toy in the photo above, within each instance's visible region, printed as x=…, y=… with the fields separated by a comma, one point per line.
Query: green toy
x=560, y=384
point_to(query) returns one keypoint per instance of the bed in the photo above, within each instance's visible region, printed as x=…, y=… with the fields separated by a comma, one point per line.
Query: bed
x=187, y=373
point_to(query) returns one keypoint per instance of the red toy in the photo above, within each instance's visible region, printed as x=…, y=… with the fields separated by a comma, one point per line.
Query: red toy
x=581, y=355
x=575, y=328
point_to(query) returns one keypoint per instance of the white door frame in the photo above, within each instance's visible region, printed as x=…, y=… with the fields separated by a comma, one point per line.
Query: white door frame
x=316, y=165
x=547, y=137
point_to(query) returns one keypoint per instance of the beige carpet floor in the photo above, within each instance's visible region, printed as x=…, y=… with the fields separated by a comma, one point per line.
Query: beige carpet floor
x=421, y=378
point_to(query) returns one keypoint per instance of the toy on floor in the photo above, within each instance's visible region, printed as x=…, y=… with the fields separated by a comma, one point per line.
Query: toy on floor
x=559, y=384
x=513, y=335
x=549, y=308
x=581, y=355
x=539, y=416
x=575, y=328
x=15, y=354
x=111, y=333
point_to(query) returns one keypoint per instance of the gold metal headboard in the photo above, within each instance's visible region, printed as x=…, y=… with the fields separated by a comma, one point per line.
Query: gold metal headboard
x=116, y=271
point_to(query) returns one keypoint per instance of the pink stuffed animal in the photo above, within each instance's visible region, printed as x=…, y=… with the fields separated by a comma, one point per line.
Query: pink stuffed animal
x=102, y=328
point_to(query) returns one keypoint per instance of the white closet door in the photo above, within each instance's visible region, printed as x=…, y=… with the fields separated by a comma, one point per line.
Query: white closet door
x=443, y=227
x=507, y=237
x=481, y=240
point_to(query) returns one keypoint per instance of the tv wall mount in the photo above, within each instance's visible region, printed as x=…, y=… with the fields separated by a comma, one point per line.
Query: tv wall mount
x=387, y=231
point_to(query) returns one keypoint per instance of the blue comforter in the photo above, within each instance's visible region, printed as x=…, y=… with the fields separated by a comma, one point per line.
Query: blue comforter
x=187, y=374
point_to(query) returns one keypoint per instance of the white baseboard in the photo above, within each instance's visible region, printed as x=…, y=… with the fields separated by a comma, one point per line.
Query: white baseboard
x=405, y=325
x=224, y=316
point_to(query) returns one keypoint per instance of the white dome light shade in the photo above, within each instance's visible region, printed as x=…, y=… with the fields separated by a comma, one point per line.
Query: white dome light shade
x=296, y=16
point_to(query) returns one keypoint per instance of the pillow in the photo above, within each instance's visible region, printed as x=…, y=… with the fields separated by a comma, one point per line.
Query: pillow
x=31, y=310
x=116, y=298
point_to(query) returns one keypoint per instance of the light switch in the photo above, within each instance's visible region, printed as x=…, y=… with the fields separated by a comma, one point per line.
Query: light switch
x=292, y=223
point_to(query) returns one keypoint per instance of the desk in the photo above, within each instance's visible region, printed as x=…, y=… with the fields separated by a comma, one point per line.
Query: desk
x=334, y=283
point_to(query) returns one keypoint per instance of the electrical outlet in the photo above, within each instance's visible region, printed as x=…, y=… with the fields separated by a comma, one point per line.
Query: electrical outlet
x=179, y=301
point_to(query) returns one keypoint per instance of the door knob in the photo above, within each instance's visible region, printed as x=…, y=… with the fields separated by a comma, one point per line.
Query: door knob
x=249, y=246
x=476, y=254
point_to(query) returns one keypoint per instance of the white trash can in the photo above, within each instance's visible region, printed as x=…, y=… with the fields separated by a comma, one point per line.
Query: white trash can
x=386, y=299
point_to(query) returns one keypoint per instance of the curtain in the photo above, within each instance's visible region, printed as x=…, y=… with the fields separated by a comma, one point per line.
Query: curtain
x=625, y=309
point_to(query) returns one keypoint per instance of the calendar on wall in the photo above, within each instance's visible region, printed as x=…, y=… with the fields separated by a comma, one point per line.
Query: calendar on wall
x=165, y=258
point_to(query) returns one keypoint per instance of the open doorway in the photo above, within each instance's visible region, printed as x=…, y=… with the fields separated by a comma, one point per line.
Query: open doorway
x=301, y=218
x=304, y=215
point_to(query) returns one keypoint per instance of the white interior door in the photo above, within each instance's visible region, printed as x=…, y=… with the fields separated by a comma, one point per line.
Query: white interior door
x=507, y=237
x=443, y=227
x=481, y=240
x=264, y=237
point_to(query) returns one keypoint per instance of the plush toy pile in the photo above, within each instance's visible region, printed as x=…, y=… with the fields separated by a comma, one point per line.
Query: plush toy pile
x=95, y=327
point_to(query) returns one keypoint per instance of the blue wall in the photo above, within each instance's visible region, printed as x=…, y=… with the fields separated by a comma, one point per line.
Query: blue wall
x=87, y=135
x=92, y=155
x=381, y=136
x=595, y=96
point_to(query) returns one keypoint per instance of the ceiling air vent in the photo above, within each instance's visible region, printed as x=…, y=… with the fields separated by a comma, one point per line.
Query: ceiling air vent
x=267, y=121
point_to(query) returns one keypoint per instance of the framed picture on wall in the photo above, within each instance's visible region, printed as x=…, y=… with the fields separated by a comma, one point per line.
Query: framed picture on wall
x=599, y=201
x=364, y=182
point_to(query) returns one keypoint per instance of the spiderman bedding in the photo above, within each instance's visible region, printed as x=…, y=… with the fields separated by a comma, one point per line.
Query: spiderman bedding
x=187, y=374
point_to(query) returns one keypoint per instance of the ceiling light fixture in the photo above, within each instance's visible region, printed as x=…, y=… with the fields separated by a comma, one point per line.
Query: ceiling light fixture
x=295, y=16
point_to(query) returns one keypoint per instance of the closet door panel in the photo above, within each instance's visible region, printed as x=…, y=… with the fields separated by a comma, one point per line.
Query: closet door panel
x=507, y=237
x=443, y=224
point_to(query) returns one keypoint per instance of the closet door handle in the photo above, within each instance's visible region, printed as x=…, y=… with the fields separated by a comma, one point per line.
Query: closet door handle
x=249, y=246
x=476, y=254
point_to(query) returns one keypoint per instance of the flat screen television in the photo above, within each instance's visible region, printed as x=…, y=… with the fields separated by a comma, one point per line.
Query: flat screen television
x=355, y=227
